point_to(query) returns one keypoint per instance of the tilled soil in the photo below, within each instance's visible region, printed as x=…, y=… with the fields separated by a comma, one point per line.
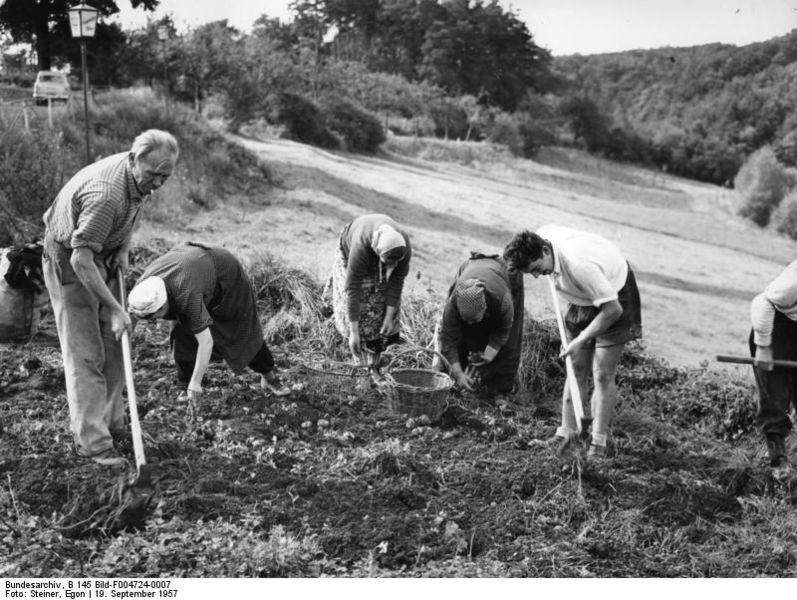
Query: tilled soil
x=476, y=491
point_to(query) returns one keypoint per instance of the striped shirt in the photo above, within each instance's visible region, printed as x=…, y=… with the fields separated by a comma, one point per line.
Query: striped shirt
x=588, y=269
x=98, y=207
x=780, y=296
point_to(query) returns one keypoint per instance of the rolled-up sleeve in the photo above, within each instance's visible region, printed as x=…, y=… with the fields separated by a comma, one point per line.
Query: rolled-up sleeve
x=595, y=284
x=762, y=315
x=780, y=295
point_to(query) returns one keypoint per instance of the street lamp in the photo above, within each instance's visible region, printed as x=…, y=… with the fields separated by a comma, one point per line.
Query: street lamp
x=83, y=23
x=163, y=36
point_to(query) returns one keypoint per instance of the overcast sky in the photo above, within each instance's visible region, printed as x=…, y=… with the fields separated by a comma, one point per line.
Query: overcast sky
x=561, y=26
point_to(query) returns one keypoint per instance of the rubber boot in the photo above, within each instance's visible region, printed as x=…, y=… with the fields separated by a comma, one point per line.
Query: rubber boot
x=776, y=445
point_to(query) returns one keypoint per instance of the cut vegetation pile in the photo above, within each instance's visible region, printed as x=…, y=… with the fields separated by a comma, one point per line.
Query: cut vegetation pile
x=328, y=481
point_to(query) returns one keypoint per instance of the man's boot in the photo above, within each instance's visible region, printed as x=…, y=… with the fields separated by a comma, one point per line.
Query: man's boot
x=781, y=468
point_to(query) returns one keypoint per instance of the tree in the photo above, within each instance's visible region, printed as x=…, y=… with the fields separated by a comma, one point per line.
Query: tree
x=761, y=184
x=144, y=54
x=587, y=122
x=45, y=23
x=205, y=56
x=257, y=72
x=106, y=56
x=480, y=48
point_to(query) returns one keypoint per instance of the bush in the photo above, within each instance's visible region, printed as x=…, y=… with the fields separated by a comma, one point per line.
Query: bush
x=360, y=130
x=761, y=184
x=504, y=130
x=687, y=397
x=784, y=219
x=451, y=121
x=210, y=166
x=33, y=167
x=303, y=121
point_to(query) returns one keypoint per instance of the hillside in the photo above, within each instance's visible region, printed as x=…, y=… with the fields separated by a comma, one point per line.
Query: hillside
x=698, y=266
x=702, y=109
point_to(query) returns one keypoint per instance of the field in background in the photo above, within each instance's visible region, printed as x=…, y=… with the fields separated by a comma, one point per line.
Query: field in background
x=698, y=265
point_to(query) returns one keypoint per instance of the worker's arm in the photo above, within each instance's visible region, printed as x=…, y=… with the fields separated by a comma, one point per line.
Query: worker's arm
x=608, y=315
x=204, y=349
x=82, y=261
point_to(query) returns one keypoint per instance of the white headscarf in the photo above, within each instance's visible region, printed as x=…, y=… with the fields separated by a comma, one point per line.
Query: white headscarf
x=386, y=239
x=147, y=297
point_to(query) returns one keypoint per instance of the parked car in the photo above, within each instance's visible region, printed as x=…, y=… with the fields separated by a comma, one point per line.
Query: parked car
x=50, y=85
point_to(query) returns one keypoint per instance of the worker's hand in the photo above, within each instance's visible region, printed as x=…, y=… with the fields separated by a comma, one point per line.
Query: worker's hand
x=389, y=326
x=465, y=379
x=119, y=260
x=354, y=344
x=479, y=359
x=120, y=322
x=763, y=358
x=194, y=393
x=574, y=347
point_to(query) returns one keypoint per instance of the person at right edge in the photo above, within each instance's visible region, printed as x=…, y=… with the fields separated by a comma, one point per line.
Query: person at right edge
x=774, y=336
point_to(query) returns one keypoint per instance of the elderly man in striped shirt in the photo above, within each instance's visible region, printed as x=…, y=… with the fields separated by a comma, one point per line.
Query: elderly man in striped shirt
x=87, y=237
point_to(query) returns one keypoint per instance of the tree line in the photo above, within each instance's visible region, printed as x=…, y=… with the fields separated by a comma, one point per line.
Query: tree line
x=699, y=111
x=466, y=69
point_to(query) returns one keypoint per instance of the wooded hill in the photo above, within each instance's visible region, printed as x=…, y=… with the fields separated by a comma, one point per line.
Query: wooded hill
x=698, y=111
x=340, y=72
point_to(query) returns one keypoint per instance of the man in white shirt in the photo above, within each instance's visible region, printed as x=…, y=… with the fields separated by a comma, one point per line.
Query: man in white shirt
x=603, y=313
x=774, y=336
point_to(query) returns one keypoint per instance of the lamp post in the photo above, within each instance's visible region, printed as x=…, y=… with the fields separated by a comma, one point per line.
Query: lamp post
x=83, y=23
x=163, y=36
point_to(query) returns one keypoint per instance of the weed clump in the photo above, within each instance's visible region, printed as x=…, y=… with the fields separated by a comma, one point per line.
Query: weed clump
x=33, y=168
x=687, y=397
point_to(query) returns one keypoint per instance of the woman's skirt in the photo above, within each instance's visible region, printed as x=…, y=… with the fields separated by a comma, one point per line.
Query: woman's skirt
x=373, y=302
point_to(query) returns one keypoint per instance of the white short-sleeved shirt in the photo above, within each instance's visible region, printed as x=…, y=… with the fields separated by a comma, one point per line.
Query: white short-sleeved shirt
x=588, y=270
x=781, y=296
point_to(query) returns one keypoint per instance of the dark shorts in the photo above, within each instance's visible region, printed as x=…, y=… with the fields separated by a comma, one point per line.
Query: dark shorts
x=628, y=327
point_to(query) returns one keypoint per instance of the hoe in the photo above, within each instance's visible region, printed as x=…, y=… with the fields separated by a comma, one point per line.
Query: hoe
x=583, y=422
x=139, y=491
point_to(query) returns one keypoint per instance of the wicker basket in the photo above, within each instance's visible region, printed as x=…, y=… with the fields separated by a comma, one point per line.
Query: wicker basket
x=334, y=375
x=416, y=391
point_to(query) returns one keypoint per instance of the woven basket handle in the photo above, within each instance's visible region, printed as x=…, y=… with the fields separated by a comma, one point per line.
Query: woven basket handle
x=418, y=349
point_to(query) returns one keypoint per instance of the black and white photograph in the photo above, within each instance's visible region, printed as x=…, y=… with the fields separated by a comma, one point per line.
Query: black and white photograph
x=367, y=290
